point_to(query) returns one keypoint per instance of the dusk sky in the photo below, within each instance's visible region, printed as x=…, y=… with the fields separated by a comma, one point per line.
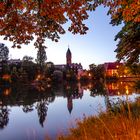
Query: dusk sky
x=97, y=46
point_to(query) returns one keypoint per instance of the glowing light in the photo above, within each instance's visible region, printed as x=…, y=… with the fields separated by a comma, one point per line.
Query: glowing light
x=6, y=77
x=89, y=74
x=127, y=91
x=7, y=91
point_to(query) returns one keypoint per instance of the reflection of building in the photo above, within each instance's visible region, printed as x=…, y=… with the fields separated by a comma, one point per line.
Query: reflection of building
x=112, y=88
x=69, y=104
x=72, y=94
x=119, y=88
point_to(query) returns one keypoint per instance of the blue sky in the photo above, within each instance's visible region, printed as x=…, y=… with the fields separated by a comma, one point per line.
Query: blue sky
x=97, y=46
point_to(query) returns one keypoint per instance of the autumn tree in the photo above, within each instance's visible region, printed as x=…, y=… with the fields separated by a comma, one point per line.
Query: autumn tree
x=22, y=20
x=126, y=12
x=4, y=52
x=128, y=47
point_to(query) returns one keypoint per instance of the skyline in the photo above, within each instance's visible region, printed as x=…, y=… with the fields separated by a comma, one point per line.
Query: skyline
x=97, y=46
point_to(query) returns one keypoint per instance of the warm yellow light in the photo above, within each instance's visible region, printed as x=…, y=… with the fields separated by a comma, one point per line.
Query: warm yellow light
x=89, y=74
x=7, y=92
x=48, y=85
x=127, y=91
x=6, y=77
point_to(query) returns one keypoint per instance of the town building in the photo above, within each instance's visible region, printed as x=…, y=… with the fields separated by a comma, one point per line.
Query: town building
x=69, y=64
x=111, y=69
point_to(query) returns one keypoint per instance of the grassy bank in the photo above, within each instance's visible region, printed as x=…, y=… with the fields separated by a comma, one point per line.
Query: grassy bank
x=121, y=125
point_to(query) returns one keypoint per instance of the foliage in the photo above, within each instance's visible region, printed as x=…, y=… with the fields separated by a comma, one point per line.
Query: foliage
x=50, y=69
x=20, y=20
x=97, y=71
x=4, y=119
x=123, y=70
x=4, y=52
x=137, y=85
x=41, y=55
x=129, y=43
x=135, y=68
x=27, y=58
x=107, y=126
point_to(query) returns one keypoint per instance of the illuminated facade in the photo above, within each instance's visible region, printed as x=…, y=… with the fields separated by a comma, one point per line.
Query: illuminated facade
x=111, y=69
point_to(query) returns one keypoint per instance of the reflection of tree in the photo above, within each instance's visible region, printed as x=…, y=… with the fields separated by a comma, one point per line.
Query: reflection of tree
x=51, y=99
x=27, y=108
x=97, y=89
x=108, y=103
x=4, y=119
x=42, y=111
x=72, y=90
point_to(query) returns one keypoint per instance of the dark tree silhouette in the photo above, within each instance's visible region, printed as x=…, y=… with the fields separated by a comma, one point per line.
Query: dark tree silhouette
x=41, y=54
x=4, y=119
x=42, y=111
x=128, y=47
x=4, y=52
x=27, y=108
x=27, y=58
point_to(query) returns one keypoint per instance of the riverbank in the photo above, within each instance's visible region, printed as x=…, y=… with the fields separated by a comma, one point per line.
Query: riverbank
x=122, y=124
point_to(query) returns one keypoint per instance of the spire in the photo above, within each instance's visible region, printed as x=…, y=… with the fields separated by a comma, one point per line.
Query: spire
x=68, y=56
x=68, y=51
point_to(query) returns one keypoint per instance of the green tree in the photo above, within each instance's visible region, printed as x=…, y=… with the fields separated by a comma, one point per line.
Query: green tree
x=41, y=54
x=128, y=47
x=135, y=69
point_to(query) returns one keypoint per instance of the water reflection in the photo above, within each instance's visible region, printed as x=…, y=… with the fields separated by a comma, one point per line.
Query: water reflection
x=4, y=116
x=42, y=111
x=35, y=98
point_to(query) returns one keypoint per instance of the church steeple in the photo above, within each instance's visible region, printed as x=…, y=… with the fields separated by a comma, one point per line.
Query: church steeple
x=68, y=56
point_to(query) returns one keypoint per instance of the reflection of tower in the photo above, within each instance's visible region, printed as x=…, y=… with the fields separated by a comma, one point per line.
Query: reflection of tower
x=69, y=104
x=68, y=57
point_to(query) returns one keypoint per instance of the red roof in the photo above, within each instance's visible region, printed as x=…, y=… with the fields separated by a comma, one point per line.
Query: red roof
x=112, y=65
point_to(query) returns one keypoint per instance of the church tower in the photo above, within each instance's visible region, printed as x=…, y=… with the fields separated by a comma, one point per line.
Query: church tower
x=68, y=57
